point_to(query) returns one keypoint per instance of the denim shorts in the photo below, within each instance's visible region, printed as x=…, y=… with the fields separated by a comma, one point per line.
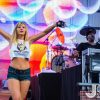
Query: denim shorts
x=20, y=75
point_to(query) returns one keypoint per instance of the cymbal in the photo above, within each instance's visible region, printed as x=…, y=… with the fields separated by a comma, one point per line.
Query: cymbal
x=59, y=47
x=44, y=43
x=60, y=35
x=87, y=30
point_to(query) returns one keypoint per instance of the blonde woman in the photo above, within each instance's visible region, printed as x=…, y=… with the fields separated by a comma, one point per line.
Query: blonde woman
x=19, y=69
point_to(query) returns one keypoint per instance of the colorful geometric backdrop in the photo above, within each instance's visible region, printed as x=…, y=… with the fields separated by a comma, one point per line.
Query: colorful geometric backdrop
x=38, y=14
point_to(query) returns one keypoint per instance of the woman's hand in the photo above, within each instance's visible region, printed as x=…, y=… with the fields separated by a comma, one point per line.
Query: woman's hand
x=60, y=24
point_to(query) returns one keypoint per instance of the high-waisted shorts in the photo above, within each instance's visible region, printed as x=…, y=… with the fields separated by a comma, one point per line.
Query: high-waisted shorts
x=20, y=75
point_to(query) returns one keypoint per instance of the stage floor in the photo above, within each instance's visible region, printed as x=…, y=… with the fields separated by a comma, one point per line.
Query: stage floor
x=4, y=94
x=83, y=96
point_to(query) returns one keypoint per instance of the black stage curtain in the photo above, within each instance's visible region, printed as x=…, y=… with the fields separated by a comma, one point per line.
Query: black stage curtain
x=70, y=79
x=50, y=86
x=57, y=86
x=35, y=95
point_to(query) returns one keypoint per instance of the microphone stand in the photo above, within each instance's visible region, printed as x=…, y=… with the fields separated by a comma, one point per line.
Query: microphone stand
x=48, y=54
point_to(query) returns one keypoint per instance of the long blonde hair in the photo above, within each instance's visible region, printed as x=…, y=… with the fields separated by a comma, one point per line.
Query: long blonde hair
x=14, y=35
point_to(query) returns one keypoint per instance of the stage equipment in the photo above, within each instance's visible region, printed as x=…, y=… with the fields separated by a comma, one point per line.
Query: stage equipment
x=90, y=64
x=62, y=60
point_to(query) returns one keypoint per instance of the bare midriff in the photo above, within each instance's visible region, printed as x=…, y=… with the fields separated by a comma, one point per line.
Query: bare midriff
x=20, y=63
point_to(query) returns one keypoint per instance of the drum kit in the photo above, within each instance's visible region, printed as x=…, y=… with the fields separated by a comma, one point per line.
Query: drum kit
x=63, y=59
x=61, y=56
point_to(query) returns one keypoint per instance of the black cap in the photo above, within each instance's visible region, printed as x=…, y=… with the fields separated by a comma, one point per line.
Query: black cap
x=87, y=30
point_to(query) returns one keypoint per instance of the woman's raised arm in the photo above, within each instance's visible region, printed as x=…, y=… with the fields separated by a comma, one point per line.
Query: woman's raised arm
x=40, y=35
x=46, y=31
x=5, y=35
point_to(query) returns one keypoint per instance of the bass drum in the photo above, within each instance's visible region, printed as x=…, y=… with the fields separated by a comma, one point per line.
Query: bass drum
x=57, y=63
